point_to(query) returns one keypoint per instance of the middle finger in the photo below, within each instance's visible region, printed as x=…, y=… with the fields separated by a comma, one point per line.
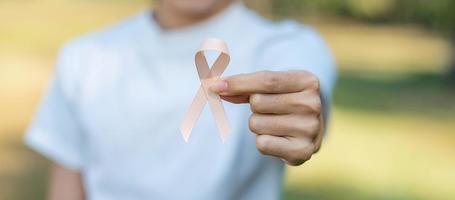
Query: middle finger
x=284, y=125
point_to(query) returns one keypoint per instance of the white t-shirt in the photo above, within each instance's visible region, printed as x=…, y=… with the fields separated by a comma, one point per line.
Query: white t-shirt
x=118, y=97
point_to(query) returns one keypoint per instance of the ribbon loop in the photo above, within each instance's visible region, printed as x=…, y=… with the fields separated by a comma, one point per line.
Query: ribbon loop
x=207, y=76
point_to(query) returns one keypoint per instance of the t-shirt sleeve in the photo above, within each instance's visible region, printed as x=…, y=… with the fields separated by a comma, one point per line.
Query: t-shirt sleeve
x=55, y=131
x=302, y=48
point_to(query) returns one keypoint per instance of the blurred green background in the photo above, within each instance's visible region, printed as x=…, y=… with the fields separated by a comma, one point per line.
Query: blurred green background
x=392, y=130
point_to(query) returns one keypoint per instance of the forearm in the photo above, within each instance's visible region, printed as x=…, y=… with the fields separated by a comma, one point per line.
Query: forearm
x=65, y=184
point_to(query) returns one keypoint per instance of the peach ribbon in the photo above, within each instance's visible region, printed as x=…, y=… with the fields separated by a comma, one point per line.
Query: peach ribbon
x=207, y=76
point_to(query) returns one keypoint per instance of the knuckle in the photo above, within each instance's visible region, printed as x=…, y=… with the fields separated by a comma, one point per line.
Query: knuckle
x=301, y=104
x=270, y=80
x=294, y=157
x=314, y=125
x=317, y=106
x=306, y=154
x=298, y=99
x=316, y=85
x=301, y=154
x=263, y=144
x=307, y=108
x=314, y=107
x=313, y=81
x=309, y=105
x=308, y=151
x=254, y=124
x=255, y=102
x=308, y=126
x=303, y=129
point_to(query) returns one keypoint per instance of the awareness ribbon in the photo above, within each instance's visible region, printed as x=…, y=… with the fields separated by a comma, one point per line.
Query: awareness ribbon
x=207, y=77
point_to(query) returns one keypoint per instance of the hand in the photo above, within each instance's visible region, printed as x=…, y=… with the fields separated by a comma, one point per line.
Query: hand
x=286, y=106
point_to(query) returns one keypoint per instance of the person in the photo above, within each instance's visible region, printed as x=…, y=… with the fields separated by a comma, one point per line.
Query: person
x=110, y=120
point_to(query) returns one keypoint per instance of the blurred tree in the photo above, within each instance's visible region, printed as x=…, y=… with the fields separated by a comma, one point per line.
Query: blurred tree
x=438, y=15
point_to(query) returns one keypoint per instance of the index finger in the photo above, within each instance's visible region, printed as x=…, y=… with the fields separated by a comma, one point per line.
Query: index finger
x=267, y=82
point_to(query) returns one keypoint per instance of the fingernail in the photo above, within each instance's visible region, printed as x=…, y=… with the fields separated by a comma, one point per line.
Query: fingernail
x=219, y=86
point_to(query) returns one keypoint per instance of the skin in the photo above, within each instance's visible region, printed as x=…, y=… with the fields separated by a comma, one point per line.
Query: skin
x=286, y=106
x=175, y=14
x=65, y=184
x=286, y=111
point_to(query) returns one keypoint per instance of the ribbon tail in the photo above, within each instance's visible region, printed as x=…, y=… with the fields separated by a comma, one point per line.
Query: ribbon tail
x=219, y=114
x=193, y=114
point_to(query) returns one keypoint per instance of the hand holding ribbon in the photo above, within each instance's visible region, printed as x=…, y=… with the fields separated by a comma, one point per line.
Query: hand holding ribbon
x=287, y=106
x=287, y=111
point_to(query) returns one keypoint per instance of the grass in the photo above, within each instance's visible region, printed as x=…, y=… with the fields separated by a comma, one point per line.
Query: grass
x=417, y=93
x=380, y=156
x=391, y=133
